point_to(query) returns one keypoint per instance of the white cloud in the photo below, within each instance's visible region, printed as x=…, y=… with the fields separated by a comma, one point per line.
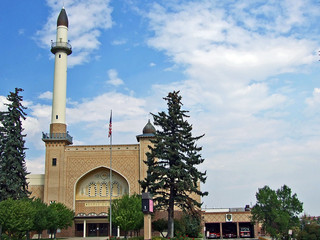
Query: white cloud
x=46, y=95
x=86, y=18
x=98, y=108
x=233, y=54
x=152, y=64
x=114, y=80
x=36, y=166
x=119, y=42
x=215, y=48
x=313, y=103
x=3, y=100
x=21, y=31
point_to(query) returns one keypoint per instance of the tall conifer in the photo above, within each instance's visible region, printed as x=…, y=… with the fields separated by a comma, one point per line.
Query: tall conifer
x=13, y=169
x=172, y=175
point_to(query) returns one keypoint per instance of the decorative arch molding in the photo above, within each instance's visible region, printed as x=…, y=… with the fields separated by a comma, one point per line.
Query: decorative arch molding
x=92, y=189
x=101, y=166
x=95, y=185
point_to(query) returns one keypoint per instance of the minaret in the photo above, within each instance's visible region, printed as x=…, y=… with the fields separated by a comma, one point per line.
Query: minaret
x=58, y=138
x=61, y=49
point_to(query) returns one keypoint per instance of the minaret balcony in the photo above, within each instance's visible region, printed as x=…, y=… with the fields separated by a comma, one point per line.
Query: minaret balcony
x=57, y=137
x=61, y=46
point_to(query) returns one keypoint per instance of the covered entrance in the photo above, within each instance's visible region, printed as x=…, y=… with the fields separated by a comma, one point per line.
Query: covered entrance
x=91, y=227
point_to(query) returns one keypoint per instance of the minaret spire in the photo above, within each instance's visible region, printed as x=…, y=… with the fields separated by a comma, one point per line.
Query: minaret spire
x=61, y=49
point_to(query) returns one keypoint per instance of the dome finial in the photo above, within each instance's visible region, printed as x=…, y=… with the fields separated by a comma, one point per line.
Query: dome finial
x=149, y=128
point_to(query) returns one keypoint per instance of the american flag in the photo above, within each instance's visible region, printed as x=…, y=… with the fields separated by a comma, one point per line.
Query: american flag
x=110, y=125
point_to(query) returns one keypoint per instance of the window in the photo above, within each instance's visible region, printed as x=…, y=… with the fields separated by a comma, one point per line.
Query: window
x=54, y=162
x=59, y=55
x=56, y=116
x=79, y=227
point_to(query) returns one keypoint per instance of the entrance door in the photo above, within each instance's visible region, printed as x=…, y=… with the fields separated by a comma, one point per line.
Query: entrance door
x=103, y=229
x=92, y=229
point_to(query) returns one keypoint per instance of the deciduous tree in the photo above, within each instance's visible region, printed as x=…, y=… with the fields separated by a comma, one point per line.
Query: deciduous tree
x=40, y=222
x=16, y=217
x=126, y=213
x=59, y=217
x=172, y=173
x=277, y=210
x=160, y=225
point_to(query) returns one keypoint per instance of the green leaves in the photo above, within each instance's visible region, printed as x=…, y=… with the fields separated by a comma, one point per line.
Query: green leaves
x=277, y=210
x=18, y=216
x=126, y=212
x=59, y=216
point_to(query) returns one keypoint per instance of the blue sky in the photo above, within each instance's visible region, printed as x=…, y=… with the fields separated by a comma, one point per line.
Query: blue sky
x=248, y=72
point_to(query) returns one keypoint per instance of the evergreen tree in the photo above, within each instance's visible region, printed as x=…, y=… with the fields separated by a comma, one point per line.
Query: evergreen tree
x=13, y=170
x=172, y=175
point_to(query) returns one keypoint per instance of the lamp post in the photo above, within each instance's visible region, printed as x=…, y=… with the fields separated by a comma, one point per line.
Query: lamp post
x=147, y=209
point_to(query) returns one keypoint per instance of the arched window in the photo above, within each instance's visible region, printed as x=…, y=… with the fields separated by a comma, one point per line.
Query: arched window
x=104, y=189
x=115, y=189
x=92, y=189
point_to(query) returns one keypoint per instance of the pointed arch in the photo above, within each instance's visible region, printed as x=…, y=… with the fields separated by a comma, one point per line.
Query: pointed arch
x=95, y=185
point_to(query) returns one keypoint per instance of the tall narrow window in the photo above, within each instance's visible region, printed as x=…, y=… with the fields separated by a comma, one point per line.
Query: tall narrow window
x=56, y=116
x=59, y=55
x=54, y=162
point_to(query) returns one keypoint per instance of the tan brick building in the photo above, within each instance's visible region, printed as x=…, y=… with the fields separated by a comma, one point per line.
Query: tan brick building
x=79, y=177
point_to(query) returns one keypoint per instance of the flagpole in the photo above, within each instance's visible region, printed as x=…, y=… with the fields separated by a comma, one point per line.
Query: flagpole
x=110, y=135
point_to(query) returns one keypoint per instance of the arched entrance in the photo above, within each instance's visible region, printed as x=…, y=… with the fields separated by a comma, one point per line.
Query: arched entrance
x=92, y=200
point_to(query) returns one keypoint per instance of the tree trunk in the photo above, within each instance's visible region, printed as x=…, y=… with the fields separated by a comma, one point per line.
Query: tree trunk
x=171, y=219
x=0, y=231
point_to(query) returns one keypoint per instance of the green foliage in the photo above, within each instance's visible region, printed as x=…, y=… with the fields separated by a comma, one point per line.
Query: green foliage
x=192, y=225
x=40, y=221
x=16, y=217
x=13, y=170
x=172, y=173
x=182, y=237
x=126, y=213
x=158, y=238
x=137, y=238
x=179, y=227
x=160, y=225
x=59, y=216
x=277, y=210
x=114, y=238
x=22, y=215
x=310, y=229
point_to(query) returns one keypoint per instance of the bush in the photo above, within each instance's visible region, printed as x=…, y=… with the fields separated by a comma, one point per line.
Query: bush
x=113, y=238
x=179, y=228
x=192, y=225
x=159, y=238
x=137, y=238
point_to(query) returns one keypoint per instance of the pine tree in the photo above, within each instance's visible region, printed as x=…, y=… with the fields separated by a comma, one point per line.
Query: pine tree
x=13, y=172
x=172, y=176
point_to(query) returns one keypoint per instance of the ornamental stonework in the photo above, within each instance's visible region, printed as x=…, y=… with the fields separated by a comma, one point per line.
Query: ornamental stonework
x=76, y=167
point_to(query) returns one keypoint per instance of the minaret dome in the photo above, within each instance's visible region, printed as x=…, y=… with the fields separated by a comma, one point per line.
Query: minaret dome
x=149, y=128
x=63, y=19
